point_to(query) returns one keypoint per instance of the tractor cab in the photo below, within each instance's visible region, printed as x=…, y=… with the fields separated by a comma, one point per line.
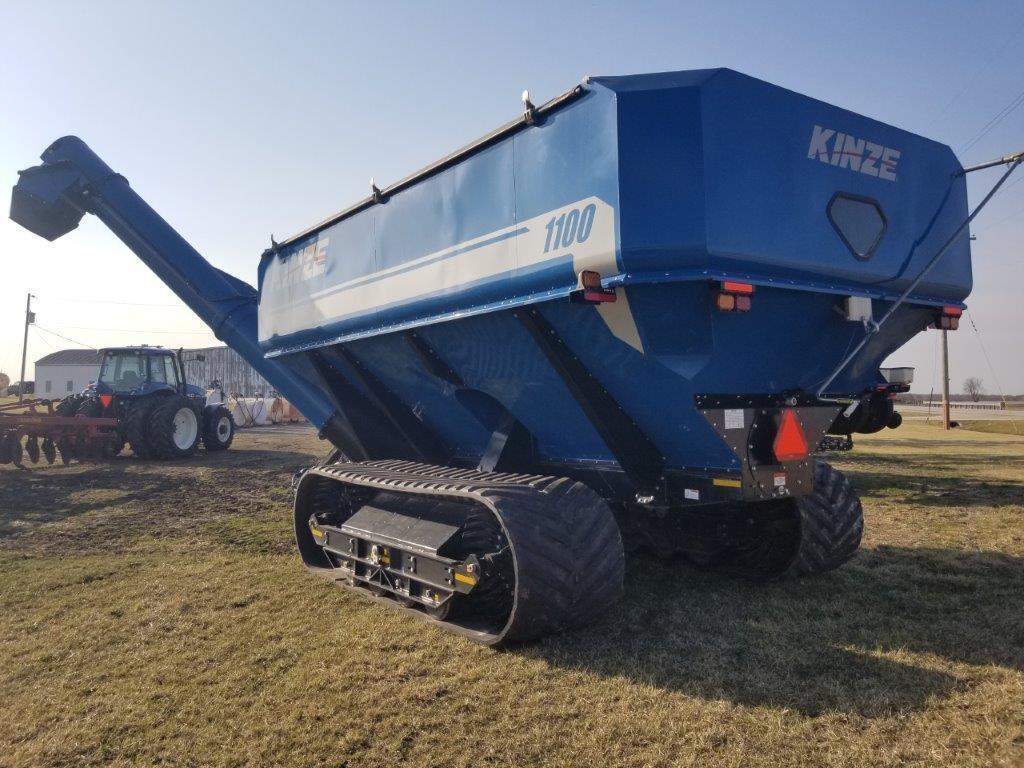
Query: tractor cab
x=139, y=371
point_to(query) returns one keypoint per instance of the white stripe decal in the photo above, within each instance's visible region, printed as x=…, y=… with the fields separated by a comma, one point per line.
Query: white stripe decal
x=289, y=303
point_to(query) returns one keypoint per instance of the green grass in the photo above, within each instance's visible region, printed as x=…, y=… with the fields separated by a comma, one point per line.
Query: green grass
x=154, y=613
x=994, y=427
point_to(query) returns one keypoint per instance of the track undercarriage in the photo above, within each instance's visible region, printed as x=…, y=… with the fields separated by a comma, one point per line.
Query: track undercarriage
x=503, y=558
x=498, y=557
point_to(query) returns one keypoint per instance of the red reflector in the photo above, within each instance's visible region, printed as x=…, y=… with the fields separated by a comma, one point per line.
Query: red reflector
x=790, y=443
x=106, y=400
x=732, y=287
x=598, y=297
x=590, y=290
x=952, y=311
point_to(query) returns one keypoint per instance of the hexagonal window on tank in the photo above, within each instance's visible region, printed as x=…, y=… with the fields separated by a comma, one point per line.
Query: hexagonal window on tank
x=859, y=222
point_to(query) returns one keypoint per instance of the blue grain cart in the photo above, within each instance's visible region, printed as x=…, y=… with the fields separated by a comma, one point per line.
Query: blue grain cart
x=632, y=314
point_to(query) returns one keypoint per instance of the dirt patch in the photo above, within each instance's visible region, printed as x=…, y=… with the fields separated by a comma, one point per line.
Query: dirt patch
x=91, y=508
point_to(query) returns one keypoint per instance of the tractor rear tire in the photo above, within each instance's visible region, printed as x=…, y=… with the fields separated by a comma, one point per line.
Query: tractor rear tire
x=173, y=428
x=218, y=428
x=831, y=523
x=135, y=425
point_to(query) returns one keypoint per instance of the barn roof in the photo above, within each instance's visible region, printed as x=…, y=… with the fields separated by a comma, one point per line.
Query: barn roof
x=71, y=357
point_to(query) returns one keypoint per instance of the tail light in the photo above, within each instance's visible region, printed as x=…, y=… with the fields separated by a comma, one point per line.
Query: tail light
x=790, y=442
x=949, y=320
x=734, y=296
x=590, y=290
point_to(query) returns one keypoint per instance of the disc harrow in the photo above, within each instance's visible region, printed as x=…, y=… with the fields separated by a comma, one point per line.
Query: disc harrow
x=41, y=429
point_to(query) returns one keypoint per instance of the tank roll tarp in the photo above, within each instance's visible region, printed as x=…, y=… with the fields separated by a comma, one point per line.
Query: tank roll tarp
x=647, y=178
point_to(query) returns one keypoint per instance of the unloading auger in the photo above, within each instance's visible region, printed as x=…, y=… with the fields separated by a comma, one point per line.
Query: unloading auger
x=624, y=319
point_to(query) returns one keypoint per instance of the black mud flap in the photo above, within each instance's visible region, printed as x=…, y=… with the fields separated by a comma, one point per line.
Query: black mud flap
x=750, y=426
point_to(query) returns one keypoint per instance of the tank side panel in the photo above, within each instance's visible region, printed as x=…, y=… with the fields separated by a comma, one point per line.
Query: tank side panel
x=431, y=399
x=494, y=355
x=511, y=222
x=662, y=179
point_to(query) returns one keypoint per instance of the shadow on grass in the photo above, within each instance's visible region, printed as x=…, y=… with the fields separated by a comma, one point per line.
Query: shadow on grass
x=52, y=494
x=937, y=482
x=810, y=645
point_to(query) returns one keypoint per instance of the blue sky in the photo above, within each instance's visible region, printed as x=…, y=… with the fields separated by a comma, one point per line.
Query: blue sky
x=238, y=120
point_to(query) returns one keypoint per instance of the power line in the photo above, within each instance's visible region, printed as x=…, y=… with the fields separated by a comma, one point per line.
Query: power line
x=1001, y=221
x=991, y=368
x=977, y=73
x=138, y=330
x=999, y=117
x=43, y=339
x=59, y=336
x=118, y=303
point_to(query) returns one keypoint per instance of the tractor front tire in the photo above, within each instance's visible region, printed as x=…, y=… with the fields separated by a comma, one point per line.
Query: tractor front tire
x=218, y=428
x=69, y=405
x=173, y=428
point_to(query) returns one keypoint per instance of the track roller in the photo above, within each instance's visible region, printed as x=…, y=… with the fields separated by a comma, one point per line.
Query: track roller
x=498, y=558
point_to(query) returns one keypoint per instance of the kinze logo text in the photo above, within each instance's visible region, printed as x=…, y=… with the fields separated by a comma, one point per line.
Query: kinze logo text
x=846, y=151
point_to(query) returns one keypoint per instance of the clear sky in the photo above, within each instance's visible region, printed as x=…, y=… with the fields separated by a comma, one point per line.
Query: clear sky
x=238, y=120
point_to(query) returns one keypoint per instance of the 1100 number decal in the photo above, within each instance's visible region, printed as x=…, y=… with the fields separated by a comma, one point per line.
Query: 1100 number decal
x=569, y=228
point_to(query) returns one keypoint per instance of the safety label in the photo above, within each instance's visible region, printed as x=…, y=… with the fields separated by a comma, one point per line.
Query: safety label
x=734, y=418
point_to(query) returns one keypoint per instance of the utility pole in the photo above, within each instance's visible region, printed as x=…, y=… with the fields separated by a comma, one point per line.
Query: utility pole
x=945, y=380
x=29, y=319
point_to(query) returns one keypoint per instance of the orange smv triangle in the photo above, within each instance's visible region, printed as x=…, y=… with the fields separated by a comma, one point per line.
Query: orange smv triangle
x=790, y=442
x=106, y=400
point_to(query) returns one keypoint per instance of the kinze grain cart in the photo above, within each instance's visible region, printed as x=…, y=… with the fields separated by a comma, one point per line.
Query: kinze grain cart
x=632, y=313
x=140, y=398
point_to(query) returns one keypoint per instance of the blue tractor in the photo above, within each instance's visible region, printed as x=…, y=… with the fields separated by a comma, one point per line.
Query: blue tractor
x=159, y=414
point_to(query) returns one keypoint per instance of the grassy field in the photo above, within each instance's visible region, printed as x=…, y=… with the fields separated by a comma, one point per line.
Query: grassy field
x=155, y=613
x=997, y=427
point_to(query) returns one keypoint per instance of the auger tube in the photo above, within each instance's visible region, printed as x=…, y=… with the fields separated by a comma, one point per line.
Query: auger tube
x=50, y=200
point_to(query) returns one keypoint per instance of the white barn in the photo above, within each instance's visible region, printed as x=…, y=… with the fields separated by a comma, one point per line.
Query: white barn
x=66, y=372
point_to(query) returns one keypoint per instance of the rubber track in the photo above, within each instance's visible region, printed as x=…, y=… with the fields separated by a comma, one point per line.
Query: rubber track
x=831, y=523
x=567, y=551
